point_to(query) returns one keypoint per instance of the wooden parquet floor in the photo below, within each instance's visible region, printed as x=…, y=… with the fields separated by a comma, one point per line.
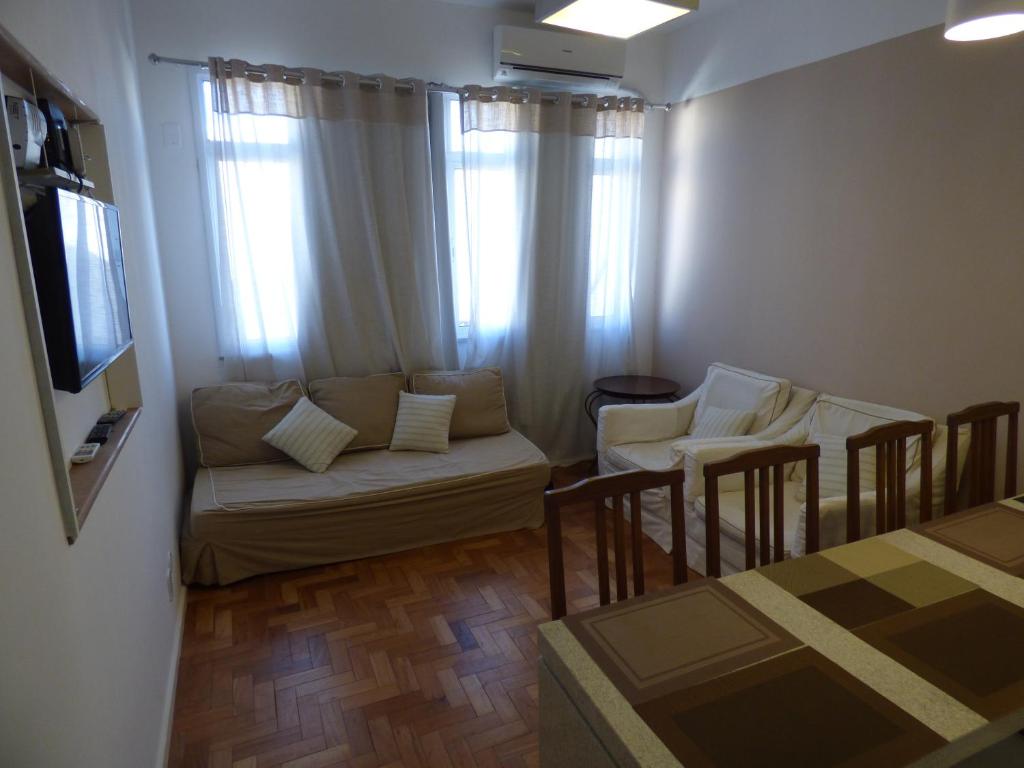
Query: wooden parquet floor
x=421, y=658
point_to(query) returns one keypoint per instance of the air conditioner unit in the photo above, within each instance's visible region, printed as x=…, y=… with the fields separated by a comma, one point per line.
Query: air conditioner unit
x=533, y=55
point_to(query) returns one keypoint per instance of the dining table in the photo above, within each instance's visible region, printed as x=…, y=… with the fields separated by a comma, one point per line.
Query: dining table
x=903, y=649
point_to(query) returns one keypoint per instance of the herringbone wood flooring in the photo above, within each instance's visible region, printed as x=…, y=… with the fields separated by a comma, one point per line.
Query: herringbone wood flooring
x=421, y=658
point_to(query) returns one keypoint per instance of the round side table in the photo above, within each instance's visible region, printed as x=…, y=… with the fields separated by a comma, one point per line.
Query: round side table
x=636, y=389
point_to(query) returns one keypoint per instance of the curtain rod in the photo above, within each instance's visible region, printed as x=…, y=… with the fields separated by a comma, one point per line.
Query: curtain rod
x=369, y=82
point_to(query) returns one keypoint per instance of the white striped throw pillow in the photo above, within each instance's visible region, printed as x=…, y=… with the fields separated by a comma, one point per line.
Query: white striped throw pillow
x=310, y=435
x=722, y=422
x=832, y=468
x=422, y=423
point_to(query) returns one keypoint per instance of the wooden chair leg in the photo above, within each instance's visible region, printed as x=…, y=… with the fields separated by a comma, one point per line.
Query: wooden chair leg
x=556, y=567
x=619, y=531
x=637, y=537
x=601, y=526
x=679, y=567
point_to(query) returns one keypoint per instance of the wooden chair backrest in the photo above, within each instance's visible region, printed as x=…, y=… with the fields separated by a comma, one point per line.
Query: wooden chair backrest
x=596, y=490
x=890, y=444
x=980, y=472
x=761, y=460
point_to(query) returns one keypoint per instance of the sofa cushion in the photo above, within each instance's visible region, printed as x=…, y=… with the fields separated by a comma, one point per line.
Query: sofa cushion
x=832, y=468
x=731, y=514
x=310, y=435
x=842, y=417
x=738, y=389
x=722, y=422
x=359, y=478
x=368, y=405
x=423, y=422
x=231, y=419
x=480, y=400
x=833, y=415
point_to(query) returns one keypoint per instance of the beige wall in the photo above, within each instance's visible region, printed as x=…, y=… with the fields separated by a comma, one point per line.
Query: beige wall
x=856, y=224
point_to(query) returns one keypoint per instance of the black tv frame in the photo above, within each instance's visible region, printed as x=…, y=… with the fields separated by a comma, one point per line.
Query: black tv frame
x=50, y=272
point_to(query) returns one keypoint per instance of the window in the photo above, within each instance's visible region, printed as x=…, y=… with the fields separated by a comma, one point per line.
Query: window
x=253, y=176
x=481, y=209
x=483, y=214
x=615, y=215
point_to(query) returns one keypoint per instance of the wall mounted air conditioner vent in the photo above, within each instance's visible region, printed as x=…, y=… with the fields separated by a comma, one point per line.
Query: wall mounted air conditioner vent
x=532, y=55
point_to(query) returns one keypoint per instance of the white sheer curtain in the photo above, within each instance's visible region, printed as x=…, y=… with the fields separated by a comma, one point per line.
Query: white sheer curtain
x=325, y=261
x=544, y=212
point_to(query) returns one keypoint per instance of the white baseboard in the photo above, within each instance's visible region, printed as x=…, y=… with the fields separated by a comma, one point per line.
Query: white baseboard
x=164, y=752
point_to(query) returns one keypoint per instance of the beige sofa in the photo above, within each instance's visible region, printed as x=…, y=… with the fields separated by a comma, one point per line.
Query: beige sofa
x=255, y=511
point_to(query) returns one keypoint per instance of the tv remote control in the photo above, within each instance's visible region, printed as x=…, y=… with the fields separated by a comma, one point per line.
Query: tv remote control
x=86, y=452
x=111, y=417
x=100, y=433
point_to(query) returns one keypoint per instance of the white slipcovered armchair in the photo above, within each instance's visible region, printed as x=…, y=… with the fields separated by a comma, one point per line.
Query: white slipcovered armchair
x=830, y=416
x=656, y=436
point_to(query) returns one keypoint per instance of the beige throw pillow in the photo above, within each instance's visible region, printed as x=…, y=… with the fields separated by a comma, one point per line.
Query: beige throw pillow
x=832, y=468
x=422, y=423
x=368, y=404
x=480, y=399
x=230, y=421
x=311, y=436
x=722, y=422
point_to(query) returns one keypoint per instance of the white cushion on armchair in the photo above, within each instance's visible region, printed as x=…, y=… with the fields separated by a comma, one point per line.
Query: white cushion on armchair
x=737, y=389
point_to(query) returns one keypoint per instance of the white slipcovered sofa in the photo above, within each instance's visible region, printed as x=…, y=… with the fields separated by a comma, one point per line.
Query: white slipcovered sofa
x=656, y=436
x=830, y=416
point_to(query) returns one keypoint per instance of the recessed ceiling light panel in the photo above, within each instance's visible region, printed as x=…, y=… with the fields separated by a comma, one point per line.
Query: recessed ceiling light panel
x=614, y=18
x=969, y=20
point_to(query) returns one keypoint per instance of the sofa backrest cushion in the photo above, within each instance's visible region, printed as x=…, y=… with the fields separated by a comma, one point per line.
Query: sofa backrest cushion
x=843, y=417
x=479, y=399
x=741, y=390
x=368, y=404
x=231, y=419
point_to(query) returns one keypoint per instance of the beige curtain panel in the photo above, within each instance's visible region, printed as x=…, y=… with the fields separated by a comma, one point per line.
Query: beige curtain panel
x=271, y=89
x=529, y=110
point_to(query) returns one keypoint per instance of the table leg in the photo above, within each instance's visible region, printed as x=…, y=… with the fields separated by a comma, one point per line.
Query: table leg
x=589, y=403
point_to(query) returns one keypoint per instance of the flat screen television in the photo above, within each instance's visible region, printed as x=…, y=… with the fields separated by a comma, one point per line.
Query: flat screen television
x=79, y=274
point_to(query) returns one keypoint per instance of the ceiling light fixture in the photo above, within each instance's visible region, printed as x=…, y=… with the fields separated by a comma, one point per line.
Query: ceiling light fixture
x=969, y=20
x=614, y=18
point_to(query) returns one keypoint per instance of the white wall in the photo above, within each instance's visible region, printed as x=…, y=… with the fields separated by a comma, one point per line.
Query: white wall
x=419, y=38
x=88, y=632
x=748, y=39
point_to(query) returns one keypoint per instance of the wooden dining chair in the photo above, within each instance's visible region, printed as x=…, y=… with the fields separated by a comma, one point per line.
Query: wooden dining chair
x=980, y=472
x=772, y=522
x=596, y=491
x=890, y=444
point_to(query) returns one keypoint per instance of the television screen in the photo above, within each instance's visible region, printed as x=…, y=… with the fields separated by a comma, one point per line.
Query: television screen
x=79, y=272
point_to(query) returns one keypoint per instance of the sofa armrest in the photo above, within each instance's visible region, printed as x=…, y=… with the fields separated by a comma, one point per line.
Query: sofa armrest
x=644, y=423
x=797, y=415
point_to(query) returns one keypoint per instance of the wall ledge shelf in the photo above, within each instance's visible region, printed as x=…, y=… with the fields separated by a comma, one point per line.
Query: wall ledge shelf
x=41, y=178
x=88, y=479
x=66, y=417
